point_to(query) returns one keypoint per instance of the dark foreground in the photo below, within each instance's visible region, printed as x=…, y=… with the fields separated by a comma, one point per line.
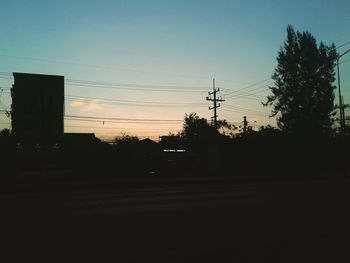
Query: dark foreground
x=255, y=219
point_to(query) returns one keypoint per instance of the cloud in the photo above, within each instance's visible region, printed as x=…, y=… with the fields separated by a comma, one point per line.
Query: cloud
x=86, y=106
x=92, y=106
x=77, y=103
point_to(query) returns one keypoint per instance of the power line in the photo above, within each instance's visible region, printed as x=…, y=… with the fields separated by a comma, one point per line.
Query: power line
x=241, y=108
x=101, y=100
x=262, y=81
x=132, y=102
x=344, y=61
x=245, y=112
x=130, y=86
x=123, y=122
x=344, y=44
x=250, y=95
x=101, y=67
x=250, y=90
x=113, y=128
x=139, y=105
x=249, y=86
x=121, y=119
x=6, y=78
x=89, y=82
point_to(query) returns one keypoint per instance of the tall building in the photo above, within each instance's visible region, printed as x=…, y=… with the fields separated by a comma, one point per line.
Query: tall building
x=37, y=109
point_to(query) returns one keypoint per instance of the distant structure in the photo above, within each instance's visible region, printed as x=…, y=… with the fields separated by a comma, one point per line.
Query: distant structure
x=37, y=109
x=172, y=143
x=80, y=140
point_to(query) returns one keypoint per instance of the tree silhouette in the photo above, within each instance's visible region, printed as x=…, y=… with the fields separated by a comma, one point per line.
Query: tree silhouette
x=6, y=138
x=5, y=133
x=303, y=95
x=226, y=128
x=126, y=140
x=347, y=125
x=198, y=130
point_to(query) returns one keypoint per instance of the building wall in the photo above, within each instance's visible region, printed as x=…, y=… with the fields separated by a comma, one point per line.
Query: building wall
x=38, y=109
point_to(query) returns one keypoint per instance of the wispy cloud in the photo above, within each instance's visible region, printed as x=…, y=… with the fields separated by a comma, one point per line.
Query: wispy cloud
x=92, y=106
x=77, y=103
x=86, y=106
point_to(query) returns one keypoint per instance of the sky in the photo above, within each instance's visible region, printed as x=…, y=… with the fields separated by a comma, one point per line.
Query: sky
x=143, y=64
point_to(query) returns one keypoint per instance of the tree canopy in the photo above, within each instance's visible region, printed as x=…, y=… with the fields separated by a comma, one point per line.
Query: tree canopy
x=303, y=92
x=197, y=129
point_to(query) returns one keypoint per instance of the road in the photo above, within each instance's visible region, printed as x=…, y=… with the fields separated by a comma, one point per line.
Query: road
x=199, y=220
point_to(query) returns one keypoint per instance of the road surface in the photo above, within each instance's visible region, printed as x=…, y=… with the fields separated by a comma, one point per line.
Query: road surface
x=197, y=220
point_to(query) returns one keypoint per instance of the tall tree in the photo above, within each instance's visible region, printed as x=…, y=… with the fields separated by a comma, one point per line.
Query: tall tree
x=196, y=129
x=303, y=92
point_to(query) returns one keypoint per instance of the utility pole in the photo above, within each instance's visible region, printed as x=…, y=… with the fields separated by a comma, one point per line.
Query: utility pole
x=341, y=109
x=245, y=124
x=215, y=100
x=341, y=101
x=343, y=106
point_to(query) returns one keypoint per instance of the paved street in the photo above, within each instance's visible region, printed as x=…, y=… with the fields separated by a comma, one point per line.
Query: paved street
x=186, y=221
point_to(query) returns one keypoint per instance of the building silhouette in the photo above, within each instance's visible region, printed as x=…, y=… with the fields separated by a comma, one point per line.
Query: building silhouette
x=37, y=109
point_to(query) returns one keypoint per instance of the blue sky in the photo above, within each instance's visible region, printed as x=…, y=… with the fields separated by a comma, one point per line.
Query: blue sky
x=161, y=43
